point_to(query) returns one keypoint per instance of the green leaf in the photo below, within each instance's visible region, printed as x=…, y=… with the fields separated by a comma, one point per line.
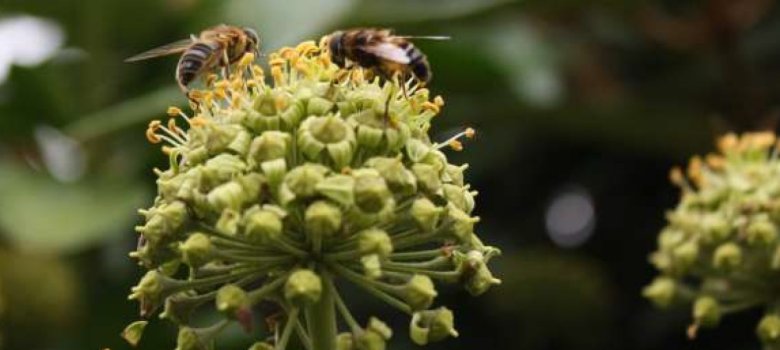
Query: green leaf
x=39, y=213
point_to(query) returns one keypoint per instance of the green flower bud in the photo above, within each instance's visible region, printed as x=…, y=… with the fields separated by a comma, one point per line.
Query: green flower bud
x=303, y=287
x=425, y=214
x=727, y=256
x=133, y=332
x=261, y=346
x=375, y=241
x=369, y=137
x=761, y=233
x=371, y=192
x=252, y=185
x=768, y=329
x=240, y=144
x=432, y=326
x=419, y=292
x=372, y=266
x=196, y=250
x=475, y=273
x=706, y=311
x=398, y=178
x=686, y=254
x=151, y=290
x=417, y=150
x=460, y=197
x=331, y=134
x=228, y=222
x=323, y=219
x=374, y=337
x=229, y=195
x=220, y=136
x=180, y=306
x=263, y=225
x=455, y=173
x=188, y=340
x=163, y=221
x=344, y=341
x=461, y=225
x=275, y=170
x=231, y=299
x=715, y=227
x=269, y=145
x=338, y=188
x=427, y=177
x=319, y=106
x=197, y=155
x=303, y=180
x=661, y=291
x=221, y=168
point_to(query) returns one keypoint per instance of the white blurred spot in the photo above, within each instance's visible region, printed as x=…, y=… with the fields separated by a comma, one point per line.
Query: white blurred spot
x=27, y=41
x=570, y=218
x=63, y=156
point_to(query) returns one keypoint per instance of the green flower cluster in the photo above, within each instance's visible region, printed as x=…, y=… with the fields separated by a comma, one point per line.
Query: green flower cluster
x=279, y=192
x=720, y=248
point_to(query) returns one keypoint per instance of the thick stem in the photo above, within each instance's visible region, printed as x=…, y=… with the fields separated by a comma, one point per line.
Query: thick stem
x=321, y=318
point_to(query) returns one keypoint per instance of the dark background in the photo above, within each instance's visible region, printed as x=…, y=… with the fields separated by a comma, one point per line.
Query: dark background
x=581, y=108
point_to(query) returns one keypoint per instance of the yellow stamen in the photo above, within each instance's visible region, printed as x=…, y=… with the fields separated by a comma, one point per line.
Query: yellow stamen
x=198, y=121
x=246, y=60
x=728, y=143
x=306, y=48
x=428, y=105
x=288, y=53
x=695, y=170
x=456, y=145
x=439, y=101
x=211, y=79
x=676, y=177
x=151, y=132
x=470, y=133
x=278, y=75
x=174, y=111
x=167, y=150
x=715, y=162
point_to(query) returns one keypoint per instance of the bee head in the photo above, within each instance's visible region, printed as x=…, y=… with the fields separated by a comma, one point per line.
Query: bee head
x=336, y=47
x=254, y=39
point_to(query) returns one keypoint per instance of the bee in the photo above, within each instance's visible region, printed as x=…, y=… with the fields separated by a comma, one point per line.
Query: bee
x=382, y=51
x=218, y=46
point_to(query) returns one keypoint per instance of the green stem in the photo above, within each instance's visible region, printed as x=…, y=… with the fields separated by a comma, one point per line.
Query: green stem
x=321, y=318
x=292, y=320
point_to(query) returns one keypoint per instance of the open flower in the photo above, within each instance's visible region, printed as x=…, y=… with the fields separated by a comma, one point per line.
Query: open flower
x=277, y=193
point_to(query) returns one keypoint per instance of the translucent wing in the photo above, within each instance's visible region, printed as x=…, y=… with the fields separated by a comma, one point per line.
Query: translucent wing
x=169, y=49
x=388, y=51
x=425, y=37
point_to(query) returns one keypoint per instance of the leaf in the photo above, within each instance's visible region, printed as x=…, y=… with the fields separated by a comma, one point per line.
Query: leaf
x=39, y=213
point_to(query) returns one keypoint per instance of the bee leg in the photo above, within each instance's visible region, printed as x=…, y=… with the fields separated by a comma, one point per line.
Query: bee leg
x=225, y=65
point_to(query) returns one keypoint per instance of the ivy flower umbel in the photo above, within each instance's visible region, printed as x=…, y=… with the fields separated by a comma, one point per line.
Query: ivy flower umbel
x=720, y=248
x=280, y=192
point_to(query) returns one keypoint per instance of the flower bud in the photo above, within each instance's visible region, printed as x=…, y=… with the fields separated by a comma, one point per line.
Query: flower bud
x=398, y=178
x=768, y=329
x=715, y=228
x=761, y=232
x=371, y=192
x=323, y=219
x=427, y=177
x=303, y=287
x=263, y=225
x=331, y=134
x=461, y=224
x=229, y=195
x=180, y=306
x=269, y=145
x=425, y=214
x=196, y=250
x=149, y=291
x=228, y=222
x=460, y=197
x=419, y=292
x=455, y=173
x=661, y=291
x=475, y=273
x=344, y=341
x=163, y=221
x=368, y=136
x=231, y=299
x=240, y=143
x=338, y=188
x=372, y=266
x=375, y=241
x=221, y=168
x=133, y=332
x=374, y=337
x=417, y=150
x=727, y=256
x=706, y=311
x=303, y=180
x=188, y=340
x=686, y=254
x=432, y=326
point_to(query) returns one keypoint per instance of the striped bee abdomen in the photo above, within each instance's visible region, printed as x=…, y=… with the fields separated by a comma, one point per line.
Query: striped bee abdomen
x=192, y=62
x=418, y=63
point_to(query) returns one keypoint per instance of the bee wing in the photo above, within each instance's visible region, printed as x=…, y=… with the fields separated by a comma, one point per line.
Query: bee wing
x=169, y=49
x=425, y=37
x=389, y=52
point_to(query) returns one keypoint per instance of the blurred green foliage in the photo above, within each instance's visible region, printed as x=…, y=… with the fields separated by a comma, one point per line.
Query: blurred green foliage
x=605, y=94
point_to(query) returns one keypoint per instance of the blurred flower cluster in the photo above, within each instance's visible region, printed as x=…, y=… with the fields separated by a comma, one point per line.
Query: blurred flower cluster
x=720, y=248
x=276, y=193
